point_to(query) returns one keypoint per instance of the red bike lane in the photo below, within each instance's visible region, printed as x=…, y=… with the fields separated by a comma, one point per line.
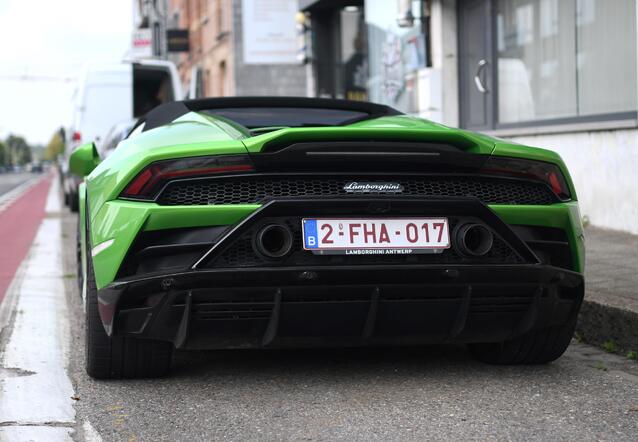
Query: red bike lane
x=18, y=225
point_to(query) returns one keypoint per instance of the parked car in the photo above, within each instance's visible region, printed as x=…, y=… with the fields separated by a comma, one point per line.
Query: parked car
x=274, y=222
x=35, y=168
x=107, y=94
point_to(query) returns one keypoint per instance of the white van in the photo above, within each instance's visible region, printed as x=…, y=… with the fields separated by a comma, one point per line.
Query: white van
x=108, y=94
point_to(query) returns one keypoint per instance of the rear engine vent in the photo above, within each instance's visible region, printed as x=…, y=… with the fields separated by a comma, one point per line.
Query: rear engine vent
x=255, y=189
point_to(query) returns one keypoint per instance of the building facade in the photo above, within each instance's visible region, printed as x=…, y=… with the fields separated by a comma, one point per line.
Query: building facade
x=149, y=29
x=231, y=51
x=560, y=74
x=205, y=68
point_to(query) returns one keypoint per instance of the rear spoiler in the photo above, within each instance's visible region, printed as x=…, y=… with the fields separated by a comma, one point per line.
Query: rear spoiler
x=366, y=149
x=168, y=112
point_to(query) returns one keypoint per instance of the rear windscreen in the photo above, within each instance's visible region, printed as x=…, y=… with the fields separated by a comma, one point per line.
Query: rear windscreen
x=252, y=117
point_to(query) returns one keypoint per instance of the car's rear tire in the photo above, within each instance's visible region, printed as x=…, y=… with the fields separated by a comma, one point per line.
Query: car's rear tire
x=74, y=203
x=78, y=258
x=535, y=347
x=118, y=357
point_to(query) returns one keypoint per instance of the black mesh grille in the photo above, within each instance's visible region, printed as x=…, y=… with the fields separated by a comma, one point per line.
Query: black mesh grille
x=254, y=189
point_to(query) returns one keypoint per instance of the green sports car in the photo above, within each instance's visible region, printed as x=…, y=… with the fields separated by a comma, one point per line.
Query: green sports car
x=274, y=222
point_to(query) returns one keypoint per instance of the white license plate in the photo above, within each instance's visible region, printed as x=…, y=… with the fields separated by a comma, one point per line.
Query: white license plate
x=376, y=236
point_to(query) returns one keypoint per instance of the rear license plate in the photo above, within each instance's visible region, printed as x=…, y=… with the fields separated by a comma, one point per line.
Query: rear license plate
x=376, y=236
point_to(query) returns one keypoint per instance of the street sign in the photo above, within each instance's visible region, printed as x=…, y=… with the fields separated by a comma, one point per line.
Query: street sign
x=177, y=40
x=269, y=32
x=141, y=43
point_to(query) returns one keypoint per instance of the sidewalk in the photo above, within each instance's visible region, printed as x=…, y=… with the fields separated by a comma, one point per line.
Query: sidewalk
x=610, y=311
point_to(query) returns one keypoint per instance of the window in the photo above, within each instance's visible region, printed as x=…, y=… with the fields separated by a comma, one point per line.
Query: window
x=397, y=51
x=339, y=50
x=253, y=117
x=565, y=60
x=222, y=79
x=606, y=57
x=219, y=18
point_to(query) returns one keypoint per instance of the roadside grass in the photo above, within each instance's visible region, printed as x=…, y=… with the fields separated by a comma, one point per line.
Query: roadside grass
x=600, y=366
x=610, y=346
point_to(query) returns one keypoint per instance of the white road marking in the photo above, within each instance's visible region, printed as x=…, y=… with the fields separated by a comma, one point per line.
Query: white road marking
x=90, y=434
x=7, y=306
x=35, y=395
x=54, y=202
x=35, y=434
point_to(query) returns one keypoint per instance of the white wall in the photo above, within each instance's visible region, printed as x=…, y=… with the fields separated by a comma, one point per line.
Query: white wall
x=604, y=167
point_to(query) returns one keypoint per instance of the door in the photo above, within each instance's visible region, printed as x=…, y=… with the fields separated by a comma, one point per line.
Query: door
x=476, y=92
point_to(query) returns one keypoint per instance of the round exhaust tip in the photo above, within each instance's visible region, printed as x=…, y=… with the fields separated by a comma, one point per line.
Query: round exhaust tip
x=474, y=239
x=273, y=241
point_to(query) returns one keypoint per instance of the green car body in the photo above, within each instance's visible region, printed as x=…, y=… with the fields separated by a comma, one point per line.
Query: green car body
x=113, y=223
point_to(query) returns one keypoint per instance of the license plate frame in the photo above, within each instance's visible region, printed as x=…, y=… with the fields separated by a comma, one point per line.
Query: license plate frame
x=432, y=239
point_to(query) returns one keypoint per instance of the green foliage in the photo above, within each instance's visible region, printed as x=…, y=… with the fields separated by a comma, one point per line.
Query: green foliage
x=3, y=154
x=55, y=147
x=610, y=346
x=600, y=366
x=632, y=355
x=19, y=152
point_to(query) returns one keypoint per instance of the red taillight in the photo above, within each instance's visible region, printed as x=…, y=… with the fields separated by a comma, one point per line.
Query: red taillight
x=77, y=136
x=555, y=183
x=546, y=173
x=139, y=182
x=151, y=179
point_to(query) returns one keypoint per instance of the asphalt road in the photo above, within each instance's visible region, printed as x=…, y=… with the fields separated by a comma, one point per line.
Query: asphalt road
x=380, y=394
x=9, y=181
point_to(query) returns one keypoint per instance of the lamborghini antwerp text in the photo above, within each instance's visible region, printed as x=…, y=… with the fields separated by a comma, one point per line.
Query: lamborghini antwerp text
x=269, y=222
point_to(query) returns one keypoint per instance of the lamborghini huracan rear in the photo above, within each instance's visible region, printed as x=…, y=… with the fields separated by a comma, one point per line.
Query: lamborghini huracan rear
x=270, y=222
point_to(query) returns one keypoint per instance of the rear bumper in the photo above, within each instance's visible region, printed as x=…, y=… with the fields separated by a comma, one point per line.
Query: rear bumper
x=341, y=305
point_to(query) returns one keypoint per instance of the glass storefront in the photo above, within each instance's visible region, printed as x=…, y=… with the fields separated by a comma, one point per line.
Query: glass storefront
x=339, y=49
x=368, y=50
x=565, y=59
x=354, y=57
x=396, y=51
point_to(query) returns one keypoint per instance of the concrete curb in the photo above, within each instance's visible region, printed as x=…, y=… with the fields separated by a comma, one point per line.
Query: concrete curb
x=7, y=305
x=599, y=323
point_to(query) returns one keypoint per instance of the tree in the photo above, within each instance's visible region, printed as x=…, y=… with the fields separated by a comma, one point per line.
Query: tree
x=3, y=154
x=55, y=146
x=18, y=149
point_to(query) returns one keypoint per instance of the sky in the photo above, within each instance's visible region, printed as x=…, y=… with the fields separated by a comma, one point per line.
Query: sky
x=53, y=38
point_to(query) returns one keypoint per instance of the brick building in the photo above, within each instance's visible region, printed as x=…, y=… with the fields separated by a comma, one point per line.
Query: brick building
x=216, y=64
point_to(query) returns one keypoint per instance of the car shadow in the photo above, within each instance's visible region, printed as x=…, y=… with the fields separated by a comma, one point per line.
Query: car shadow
x=337, y=363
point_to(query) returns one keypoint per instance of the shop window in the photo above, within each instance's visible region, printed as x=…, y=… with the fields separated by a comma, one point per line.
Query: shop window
x=340, y=51
x=353, y=54
x=397, y=51
x=565, y=59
